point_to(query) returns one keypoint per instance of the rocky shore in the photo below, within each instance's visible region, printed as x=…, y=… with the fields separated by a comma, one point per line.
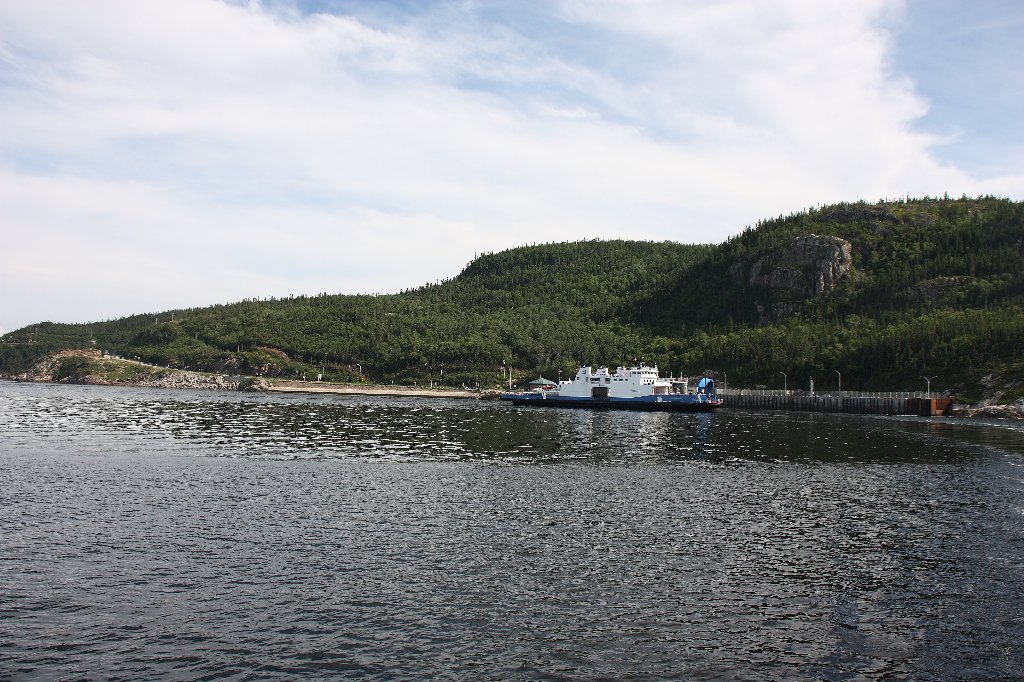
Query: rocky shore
x=988, y=409
x=93, y=368
x=1001, y=399
x=90, y=367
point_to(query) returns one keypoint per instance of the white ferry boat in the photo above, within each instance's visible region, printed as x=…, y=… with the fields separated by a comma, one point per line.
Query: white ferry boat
x=637, y=387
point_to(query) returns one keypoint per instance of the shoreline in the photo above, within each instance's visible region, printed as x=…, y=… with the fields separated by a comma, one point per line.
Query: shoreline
x=197, y=381
x=90, y=368
x=371, y=389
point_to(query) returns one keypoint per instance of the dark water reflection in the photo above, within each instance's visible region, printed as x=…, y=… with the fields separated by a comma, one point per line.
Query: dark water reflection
x=148, y=534
x=325, y=426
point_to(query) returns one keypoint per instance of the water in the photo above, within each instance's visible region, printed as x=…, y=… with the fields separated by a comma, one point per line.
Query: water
x=150, y=534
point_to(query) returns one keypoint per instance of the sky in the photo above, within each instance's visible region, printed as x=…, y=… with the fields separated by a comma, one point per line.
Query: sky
x=163, y=155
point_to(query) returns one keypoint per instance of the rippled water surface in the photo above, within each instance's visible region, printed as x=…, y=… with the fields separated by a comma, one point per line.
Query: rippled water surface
x=150, y=534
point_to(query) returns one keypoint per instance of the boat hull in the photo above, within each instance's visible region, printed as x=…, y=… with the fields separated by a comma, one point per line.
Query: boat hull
x=656, y=403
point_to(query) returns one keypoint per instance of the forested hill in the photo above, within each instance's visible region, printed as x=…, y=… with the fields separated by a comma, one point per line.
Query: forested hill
x=885, y=293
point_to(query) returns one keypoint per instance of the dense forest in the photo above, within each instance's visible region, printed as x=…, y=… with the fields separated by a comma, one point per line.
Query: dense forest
x=917, y=287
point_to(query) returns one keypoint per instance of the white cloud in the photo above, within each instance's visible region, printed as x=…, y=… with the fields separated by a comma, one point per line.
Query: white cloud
x=199, y=152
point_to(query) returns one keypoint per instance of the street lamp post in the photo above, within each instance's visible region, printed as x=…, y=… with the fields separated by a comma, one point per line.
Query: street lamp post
x=783, y=382
x=928, y=383
x=840, y=379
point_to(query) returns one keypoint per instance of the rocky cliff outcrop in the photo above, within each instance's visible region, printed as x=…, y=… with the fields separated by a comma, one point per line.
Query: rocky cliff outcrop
x=91, y=367
x=809, y=266
x=941, y=289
